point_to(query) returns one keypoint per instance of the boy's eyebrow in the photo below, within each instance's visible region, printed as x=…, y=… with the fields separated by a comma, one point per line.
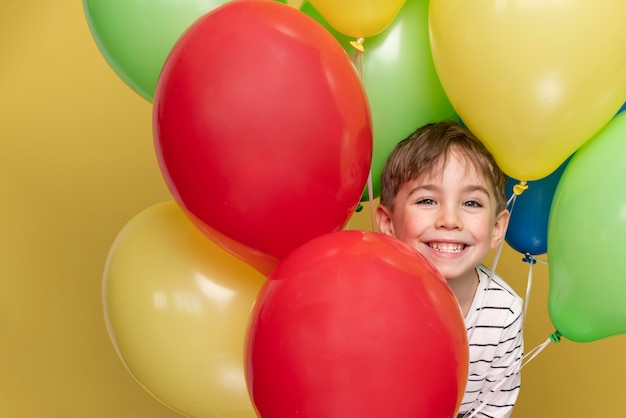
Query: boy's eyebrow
x=477, y=188
x=427, y=186
x=431, y=187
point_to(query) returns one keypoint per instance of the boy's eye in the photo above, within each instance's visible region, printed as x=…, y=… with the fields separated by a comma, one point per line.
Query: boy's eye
x=473, y=204
x=425, y=201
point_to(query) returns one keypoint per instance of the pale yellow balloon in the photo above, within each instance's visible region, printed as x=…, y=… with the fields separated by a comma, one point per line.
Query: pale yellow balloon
x=358, y=18
x=176, y=307
x=533, y=79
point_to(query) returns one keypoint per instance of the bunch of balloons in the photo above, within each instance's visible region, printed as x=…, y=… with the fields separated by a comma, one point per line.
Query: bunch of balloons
x=268, y=120
x=539, y=84
x=263, y=133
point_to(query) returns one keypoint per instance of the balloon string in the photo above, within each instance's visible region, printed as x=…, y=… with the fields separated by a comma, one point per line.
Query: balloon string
x=528, y=258
x=529, y=284
x=511, y=202
x=518, y=189
x=370, y=195
x=357, y=60
x=496, y=257
x=555, y=337
x=359, y=208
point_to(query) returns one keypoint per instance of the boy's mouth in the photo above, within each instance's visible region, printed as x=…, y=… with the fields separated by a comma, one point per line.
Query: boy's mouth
x=447, y=247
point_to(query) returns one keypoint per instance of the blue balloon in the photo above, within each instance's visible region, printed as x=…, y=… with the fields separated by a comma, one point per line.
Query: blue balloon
x=528, y=226
x=621, y=109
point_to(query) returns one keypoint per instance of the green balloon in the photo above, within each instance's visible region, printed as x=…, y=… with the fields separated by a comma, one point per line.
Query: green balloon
x=400, y=79
x=586, y=239
x=136, y=36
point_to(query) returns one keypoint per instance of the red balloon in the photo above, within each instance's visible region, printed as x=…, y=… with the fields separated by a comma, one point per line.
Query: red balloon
x=257, y=113
x=356, y=324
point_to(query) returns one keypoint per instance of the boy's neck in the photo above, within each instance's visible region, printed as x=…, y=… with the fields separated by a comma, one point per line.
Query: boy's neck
x=464, y=288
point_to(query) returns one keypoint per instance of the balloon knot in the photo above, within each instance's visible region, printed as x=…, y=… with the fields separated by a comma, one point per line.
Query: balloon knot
x=358, y=44
x=519, y=188
x=528, y=258
x=555, y=337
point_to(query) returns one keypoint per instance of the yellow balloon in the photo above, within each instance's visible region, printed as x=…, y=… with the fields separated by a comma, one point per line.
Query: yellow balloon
x=358, y=18
x=534, y=80
x=176, y=307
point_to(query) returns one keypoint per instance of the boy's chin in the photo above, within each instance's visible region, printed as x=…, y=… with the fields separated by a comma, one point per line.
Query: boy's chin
x=453, y=275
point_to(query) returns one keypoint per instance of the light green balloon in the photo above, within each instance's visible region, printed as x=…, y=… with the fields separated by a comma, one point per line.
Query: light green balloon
x=136, y=36
x=399, y=76
x=587, y=239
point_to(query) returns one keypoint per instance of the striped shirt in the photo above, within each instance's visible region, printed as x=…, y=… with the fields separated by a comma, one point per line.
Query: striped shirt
x=496, y=345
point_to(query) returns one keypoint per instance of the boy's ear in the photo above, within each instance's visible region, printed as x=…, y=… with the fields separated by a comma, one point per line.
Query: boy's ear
x=383, y=218
x=499, y=228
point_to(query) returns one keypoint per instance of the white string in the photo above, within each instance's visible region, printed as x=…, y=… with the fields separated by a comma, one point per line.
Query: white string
x=527, y=358
x=511, y=201
x=370, y=195
x=496, y=257
x=528, y=287
x=531, y=261
x=357, y=60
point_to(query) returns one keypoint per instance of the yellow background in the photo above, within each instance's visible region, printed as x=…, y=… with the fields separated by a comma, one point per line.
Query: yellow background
x=76, y=163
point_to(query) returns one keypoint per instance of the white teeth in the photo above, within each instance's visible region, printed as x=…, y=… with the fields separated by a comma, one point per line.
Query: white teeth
x=447, y=247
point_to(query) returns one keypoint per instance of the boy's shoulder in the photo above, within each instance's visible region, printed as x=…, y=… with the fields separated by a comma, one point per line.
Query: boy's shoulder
x=498, y=287
x=496, y=305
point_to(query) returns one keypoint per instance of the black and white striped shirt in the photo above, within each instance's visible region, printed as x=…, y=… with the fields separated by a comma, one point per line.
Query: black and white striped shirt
x=494, y=330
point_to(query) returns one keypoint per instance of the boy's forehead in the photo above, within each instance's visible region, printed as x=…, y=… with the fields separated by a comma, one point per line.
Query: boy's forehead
x=469, y=166
x=469, y=173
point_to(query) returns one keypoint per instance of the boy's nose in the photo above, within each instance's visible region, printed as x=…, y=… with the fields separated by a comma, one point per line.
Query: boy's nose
x=449, y=218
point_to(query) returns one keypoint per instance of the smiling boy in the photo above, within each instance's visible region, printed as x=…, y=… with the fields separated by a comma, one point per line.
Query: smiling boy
x=443, y=194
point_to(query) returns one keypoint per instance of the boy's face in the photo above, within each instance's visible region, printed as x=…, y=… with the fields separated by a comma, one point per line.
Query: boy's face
x=449, y=217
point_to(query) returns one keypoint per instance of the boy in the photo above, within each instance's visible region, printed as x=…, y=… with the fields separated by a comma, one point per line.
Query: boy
x=443, y=194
